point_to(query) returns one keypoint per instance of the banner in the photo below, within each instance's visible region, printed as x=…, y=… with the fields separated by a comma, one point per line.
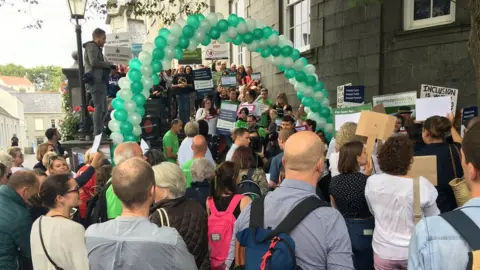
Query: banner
x=440, y=91
x=251, y=109
x=229, y=81
x=393, y=102
x=340, y=95
x=191, y=57
x=256, y=76
x=119, y=40
x=353, y=95
x=226, y=118
x=216, y=50
x=118, y=55
x=468, y=114
x=202, y=80
x=350, y=114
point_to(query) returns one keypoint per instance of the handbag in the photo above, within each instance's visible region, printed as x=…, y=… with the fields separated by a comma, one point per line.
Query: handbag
x=161, y=213
x=43, y=246
x=458, y=185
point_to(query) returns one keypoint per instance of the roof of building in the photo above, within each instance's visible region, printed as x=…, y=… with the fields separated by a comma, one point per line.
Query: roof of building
x=13, y=81
x=42, y=102
x=4, y=112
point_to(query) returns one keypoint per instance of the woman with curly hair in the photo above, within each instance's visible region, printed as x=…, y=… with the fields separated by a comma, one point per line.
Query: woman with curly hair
x=390, y=199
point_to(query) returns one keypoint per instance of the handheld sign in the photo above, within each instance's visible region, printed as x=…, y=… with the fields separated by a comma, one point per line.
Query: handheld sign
x=144, y=146
x=425, y=166
x=229, y=81
x=96, y=143
x=256, y=76
x=375, y=126
x=427, y=107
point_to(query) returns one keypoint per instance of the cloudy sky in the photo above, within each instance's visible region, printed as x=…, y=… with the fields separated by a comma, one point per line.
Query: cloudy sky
x=51, y=45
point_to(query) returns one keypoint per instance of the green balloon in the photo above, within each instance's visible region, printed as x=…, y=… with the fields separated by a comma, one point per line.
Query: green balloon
x=134, y=75
x=248, y=38
x=295, y=54
x=320, y=84
x=183, y=42
x=164, y=32
x=325, y=92
x=233, y=20
x=300, y=95
x=275, y=32
x=222, y=25
x=117, y=103
x=307, y=101
x=188, y=31
x=207, y=40
x=139, y=99
x=214, y=33
x=316, y=107
x=240, y=19
x=290, y=73
x=140, y=110
x=303, y=60
x=266, y=52
x=287, y=51
x=237, y=40
x=201, y=17
x=267, y=31
x=120, y=115
x=160, y=42
x=135, y=64
x=282, y=68
x=158, y=54
x=300, y=76
x=310, y=81
x=317, y=87
x=178, y=53
x=156, y=66
x=129, y=137
x=257, y=33
x=276, y=51
x=155, y=79
x=193, y=21
x=324, y=112
x=136, y=87
x=126, y=127
x=258, y=50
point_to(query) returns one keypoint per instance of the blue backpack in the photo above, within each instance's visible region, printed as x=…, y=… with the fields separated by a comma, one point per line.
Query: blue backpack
x=272, y=249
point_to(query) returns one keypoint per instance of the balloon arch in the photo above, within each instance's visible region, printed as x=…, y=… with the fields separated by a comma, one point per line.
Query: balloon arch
x=198, y=29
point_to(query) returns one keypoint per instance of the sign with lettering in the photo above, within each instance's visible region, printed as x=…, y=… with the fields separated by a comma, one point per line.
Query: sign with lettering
x=118, y=55
x=440, y=91
x=256, y=76
x=468, y=114
x=394, y=101
x=350, y=114
x=229, y=81
x=226, y=118
x=354, y=94
x=216, y=50
x=340, y=95
x=118, y=40
x=202, y=79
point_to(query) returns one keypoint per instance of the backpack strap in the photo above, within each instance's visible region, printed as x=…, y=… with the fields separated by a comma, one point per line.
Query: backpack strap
x=257, y=213
x=464, y=226
x=211, y=206
x=296, y=215
x=43, y=246
x=161, y=214
x=233, y=203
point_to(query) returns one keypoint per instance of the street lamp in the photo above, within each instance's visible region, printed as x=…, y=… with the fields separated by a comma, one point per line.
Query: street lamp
x=77, y=12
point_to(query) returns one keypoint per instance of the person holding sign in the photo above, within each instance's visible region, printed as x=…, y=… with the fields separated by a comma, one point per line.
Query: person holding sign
x=208, y=113
x=242, y=119
x=183, y=86
x=265, y=101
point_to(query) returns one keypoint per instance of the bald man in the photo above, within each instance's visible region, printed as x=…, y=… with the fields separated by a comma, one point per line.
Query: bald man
x=144, y=245
x=123, y=152
x=199, y=149
x=321, y=238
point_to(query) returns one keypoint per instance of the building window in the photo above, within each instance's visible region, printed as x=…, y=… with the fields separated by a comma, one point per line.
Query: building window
x=238, y=7
x=39, y=124
x=427, y=13
x=52, y=122
x=297, y=23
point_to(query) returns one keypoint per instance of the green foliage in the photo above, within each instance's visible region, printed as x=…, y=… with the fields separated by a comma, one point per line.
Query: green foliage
x=70, y=123
x=45, y=78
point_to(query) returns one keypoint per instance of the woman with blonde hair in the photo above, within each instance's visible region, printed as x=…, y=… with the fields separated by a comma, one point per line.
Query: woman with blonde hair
x=41, y=151
x=89, y=188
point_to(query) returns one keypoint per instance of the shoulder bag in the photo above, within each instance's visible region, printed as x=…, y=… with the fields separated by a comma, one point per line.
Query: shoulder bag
x=43, y=246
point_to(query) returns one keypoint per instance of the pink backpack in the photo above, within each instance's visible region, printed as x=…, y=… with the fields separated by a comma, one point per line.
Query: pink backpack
x=220, y=231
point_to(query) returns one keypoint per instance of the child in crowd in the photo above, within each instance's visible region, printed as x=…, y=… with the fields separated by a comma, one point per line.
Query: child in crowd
x=242, y=119
x=264, y=100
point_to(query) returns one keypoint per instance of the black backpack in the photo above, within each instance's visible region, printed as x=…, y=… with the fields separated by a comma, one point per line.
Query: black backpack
x=97, y=207
x=248, y=187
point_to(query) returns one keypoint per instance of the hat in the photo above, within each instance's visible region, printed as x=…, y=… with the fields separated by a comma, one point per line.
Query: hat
x=404, y=109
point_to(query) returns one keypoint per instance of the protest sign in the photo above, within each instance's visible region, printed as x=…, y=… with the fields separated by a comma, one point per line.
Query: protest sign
x=256, y=76
x=118, y=55
x=425, y=166
x=340, y=95
x=202, y=80
x=353, y=95
x=351, y=114
x=251, y=109
x=191, y=57
x=215, y=50
x=226, y=118
x=428, y=91
x=374, y=126
x=468, y=114
x=393, y=102
x=229, y=81
x=118, y=40
x=428, y=107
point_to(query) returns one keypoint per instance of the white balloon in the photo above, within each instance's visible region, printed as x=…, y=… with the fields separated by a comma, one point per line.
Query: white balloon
x=298, y=65
x=130, y=106
x=134, y=118
x=125, y=94
x=172, y=40
x=278, y=60
x=146, y=70
x=309, y=69
x=212, y=18
x=307, y=110
x=289, y=43
x=116, y=137
x=326, y=102
x=220, y=16
x=222, y=39
x=145, y=57
x=166, y=64
x=137, y=130
x=148, y=47
x=205, y=25
x=192, y=46
x=292, y=81
x=181, y=22
x=252, y=46
x=311, y=115
x=231, y=32
x=273, y=40
x=242, y=27
x=282, y=40
x=199, y=36
x=300, y=86
x=147, y=82
x=329, y=128
x=308, y=91
x=146, y=93
x=319, y=96
x=114, y=125
x=251, y=24
x=262, y=44
x=260, y=24
x=315, y=75
x=124, y=82
x=112, y=115
x=288, y=63
x=175, y=30
x=169, y=53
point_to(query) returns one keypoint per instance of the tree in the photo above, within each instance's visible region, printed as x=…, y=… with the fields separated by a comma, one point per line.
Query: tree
x=45, y=78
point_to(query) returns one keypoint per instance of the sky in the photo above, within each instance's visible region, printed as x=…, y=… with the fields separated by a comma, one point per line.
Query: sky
x=50, y=45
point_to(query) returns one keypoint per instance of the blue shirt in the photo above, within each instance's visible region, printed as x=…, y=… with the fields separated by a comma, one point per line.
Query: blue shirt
x=321, y=239
x=435, y=245
x=275, y=167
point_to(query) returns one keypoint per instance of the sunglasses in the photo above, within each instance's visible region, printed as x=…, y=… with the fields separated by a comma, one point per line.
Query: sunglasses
x=76, y=189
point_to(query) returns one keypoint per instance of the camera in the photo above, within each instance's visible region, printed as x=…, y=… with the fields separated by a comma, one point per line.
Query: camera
x=256, y=144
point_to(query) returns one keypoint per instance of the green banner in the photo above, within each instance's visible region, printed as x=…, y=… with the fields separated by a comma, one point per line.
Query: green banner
x=191, y=57
x=349, y=114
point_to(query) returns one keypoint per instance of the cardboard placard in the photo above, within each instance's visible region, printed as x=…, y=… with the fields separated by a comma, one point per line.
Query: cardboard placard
x=375, y=125
x=425, y=166
x=379, y=108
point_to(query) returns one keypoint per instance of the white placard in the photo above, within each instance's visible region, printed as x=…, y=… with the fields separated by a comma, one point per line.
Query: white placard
x=216, y=50
x=203, y=84
x=96, y=143
x=430, y=91
x=138, y=31
x=144, y=146
x=341, y=94
x=427, y=107
x=119, y=40
x=341, y=119
x=118, y=55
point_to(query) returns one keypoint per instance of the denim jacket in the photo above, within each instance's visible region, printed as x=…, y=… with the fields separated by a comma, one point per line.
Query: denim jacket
x=435, y=245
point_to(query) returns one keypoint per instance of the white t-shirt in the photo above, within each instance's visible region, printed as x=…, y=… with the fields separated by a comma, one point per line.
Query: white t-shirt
x=334, y=157
x=64, y=241
x=390, y=199
x=211, y=121
x=185, y=152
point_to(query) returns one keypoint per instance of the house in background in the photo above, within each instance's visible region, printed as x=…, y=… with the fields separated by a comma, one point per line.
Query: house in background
x=11, y=118
x=8, y=125
x=17, y=83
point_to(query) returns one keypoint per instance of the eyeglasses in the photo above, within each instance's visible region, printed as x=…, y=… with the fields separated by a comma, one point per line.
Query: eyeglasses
x=76, y=189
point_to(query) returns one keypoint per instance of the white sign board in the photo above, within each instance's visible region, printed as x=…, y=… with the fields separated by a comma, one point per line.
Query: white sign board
x=216, y=50
x=138, y=31
x=118, y=55
x=428, y=107
x=118, y=40
x=341, y=94
x=429, y=91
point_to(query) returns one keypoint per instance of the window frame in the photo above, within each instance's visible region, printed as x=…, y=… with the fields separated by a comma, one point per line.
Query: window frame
x=40, y=121
x=53, y=123
x=410, y=24
x=286, y=23
x=238, y=52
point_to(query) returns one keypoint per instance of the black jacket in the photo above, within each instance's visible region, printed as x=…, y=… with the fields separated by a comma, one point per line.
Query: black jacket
x=199, y=191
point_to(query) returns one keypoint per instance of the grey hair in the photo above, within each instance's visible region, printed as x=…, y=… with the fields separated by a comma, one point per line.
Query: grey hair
x=169, y=175
x=191, y=129
x=6, y=159
x=127, y=153
x=201, y=169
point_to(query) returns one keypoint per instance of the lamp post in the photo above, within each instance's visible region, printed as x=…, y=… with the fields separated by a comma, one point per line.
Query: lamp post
x=77, y=12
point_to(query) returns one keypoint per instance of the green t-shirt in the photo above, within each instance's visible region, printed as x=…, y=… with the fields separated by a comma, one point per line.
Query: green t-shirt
x=114, y=205
x=188, y=173
x=170, y=140
x=262, y=132
x=264, y=118
x=241, y=124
